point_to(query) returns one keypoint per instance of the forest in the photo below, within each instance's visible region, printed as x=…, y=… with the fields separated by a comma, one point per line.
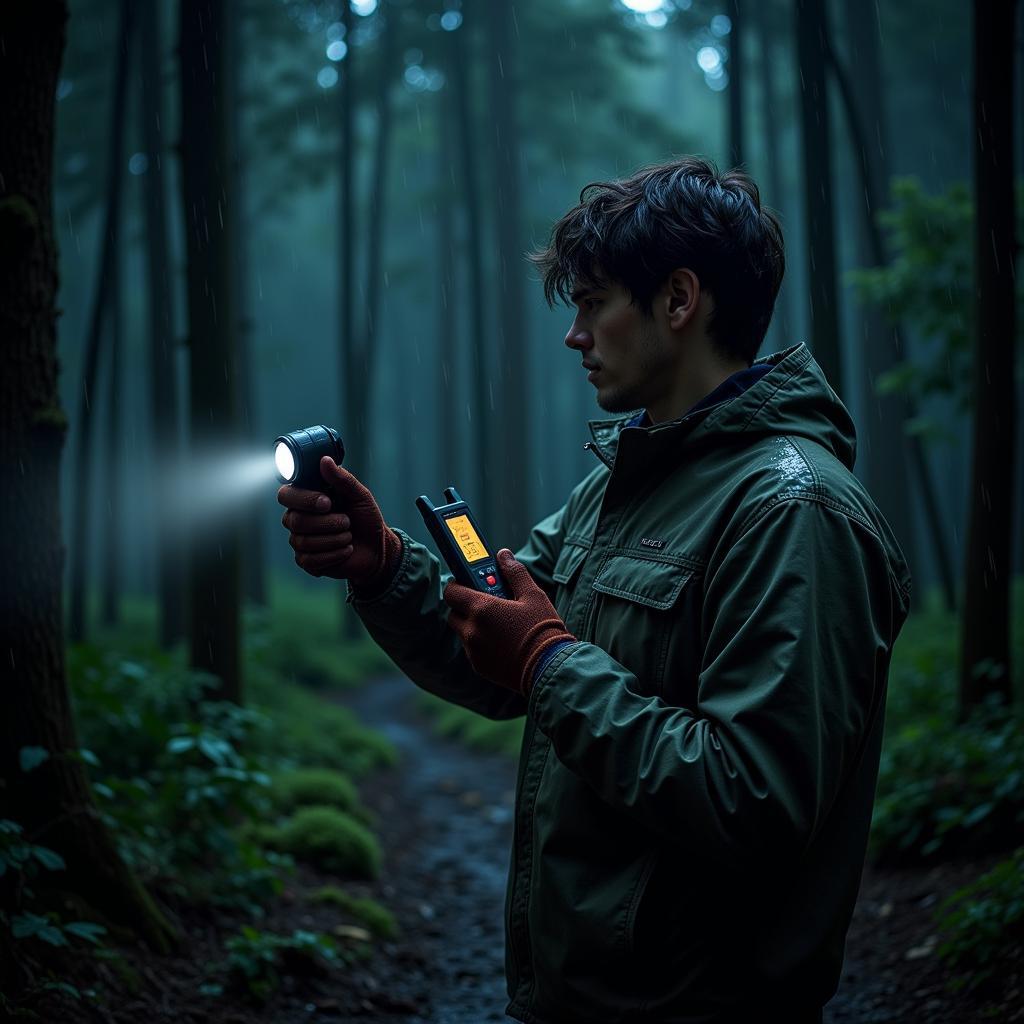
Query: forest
x=220, y=798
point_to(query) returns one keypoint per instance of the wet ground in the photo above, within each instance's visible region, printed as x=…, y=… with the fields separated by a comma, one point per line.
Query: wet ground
x=446, y=828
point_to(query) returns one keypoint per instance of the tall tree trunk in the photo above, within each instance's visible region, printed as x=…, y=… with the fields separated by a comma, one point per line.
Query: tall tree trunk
x=163, y=373
x=369, y=350
x=84, y=448
x=365, y=354
x=817, y=164
x=771, y=132
x=351, y=431
x=53, y=801
x=887, y=475
x=510, y=407
x=214, y=585
x=905, y=408
x=448, y=406
x=479, y=425
x=111, y=532
x=985, y=649
x=736, y=76
x=254, y=563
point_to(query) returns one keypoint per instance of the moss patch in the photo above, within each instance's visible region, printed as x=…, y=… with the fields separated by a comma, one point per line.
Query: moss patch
x=330, y=839
x=377, y=919
x=311, y=787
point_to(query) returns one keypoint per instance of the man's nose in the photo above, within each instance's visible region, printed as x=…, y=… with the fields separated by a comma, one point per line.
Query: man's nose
x=579, y=337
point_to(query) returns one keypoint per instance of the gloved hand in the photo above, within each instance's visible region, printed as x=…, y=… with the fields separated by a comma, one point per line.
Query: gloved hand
x=505, y=638
x=342, y=533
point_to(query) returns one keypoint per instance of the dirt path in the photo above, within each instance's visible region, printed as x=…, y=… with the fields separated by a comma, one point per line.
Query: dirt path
x=445, y=824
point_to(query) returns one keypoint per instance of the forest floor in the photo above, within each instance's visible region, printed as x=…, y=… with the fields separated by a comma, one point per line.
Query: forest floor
x=445, y=824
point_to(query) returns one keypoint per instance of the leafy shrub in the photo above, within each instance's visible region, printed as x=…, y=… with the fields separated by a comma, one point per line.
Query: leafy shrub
x=20, y=862
x=329, y=839
x=304, y=787
x=255, y=958
x=369, y=912
x=177, y=776
x=945, y=787
x=983, y=923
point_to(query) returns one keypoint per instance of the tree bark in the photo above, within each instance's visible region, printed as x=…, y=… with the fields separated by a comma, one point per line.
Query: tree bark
x=478, y=418
x=111, y=533
x=351, y=430
x=214, y=585
x=447, y=385
x=83, y=440
x=985, y=649
x=52, y=802
x=369, y=350
x=254, y=570
x=510, y=405
x=811, y=33
x=163, y=373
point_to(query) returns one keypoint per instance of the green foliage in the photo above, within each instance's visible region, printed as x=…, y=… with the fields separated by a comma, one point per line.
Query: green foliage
x=330, y=839
x=304, y=787
x=472, y=729
x=256, y=958
x=946, y=786
x=296, y=640
x=983, y=923
x=312, y=732
x=179, y=773
x=367, y=911
x=928, y=287
x=20, y=862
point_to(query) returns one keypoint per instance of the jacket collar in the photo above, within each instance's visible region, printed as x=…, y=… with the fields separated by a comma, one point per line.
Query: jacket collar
x=792, y=397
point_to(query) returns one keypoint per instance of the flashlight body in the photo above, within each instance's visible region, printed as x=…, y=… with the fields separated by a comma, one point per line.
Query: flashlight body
x=458, y=538
x=307, y=447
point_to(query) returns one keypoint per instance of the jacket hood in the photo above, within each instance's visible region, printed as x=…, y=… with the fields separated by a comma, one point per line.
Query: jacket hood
x=792, y=398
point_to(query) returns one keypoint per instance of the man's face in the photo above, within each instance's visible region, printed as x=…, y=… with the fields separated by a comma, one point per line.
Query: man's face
x=635, y=362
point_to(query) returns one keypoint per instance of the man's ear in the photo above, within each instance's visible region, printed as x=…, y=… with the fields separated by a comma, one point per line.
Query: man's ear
x=682, y=297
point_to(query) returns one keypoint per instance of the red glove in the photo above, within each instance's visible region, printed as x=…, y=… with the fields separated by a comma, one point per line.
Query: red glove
x=341, y=533
x=504, y=639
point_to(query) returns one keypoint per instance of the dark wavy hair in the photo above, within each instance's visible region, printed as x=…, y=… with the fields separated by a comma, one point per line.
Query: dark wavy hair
x=684, y=213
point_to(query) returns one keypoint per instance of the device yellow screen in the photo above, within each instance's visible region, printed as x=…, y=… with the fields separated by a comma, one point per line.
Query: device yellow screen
x=470, y=544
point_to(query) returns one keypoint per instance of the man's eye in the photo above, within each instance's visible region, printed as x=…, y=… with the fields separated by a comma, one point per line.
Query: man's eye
x=592, y=304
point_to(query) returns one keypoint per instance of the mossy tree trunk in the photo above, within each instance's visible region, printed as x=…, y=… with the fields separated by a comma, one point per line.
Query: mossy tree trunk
x=53, y=801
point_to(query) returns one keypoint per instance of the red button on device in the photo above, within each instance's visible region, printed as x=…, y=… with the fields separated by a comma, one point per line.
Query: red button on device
x=491, y=581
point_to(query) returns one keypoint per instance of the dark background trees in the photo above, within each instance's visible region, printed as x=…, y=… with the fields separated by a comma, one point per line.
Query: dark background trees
x=275, y=214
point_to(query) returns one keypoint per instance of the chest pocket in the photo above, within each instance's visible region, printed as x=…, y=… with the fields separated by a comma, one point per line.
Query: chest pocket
x=640, y=607
x=567, y=567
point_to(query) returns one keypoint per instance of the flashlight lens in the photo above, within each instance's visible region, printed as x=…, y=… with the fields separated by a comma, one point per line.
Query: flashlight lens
x=285, y=461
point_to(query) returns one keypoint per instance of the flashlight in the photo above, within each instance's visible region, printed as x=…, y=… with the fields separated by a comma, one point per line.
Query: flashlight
x=297, y=455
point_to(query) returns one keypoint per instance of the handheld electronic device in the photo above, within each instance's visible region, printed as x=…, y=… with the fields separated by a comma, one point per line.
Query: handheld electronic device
x=461, y=544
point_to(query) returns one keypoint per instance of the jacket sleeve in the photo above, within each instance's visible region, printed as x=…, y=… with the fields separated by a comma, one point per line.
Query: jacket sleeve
x=798, y=622
x=409, y=621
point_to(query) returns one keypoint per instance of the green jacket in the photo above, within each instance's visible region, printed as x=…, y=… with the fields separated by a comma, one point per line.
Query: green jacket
x=697, y=772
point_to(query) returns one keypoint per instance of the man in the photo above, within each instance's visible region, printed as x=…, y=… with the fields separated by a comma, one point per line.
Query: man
x=699, y=638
